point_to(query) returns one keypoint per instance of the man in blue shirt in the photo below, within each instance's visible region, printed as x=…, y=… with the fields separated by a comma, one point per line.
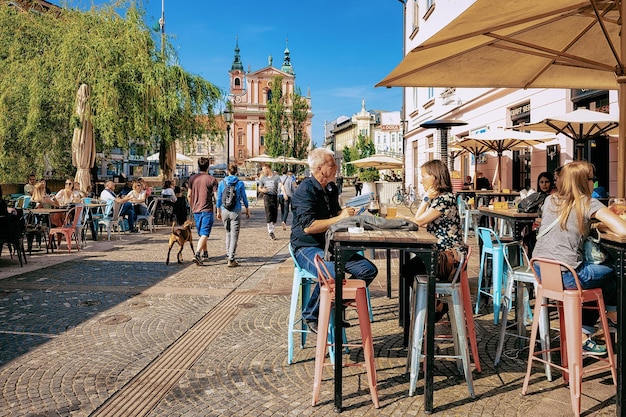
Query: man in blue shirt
x=232, y=217
x=315, y=208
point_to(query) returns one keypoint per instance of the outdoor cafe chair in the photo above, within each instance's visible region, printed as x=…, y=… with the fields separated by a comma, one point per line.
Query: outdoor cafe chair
x=69, y=229
x=111, y=219
x=491, y=248
x=149, y=218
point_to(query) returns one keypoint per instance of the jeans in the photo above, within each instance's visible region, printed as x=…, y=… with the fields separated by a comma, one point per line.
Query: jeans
x=357, y=266
x=232, y=223
x=592, y=276
x=284, y=204
x=129, y=210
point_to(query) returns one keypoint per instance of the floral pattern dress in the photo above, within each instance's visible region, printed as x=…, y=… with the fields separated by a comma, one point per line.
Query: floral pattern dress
x=447, y=227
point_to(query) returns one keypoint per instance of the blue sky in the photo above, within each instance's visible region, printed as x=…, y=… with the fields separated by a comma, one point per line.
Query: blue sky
x=339, y=50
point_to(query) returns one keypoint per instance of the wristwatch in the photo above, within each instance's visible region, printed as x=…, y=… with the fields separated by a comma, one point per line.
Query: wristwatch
x=426, y=199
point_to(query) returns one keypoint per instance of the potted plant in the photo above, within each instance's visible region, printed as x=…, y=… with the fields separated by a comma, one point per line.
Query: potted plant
x=368, y=176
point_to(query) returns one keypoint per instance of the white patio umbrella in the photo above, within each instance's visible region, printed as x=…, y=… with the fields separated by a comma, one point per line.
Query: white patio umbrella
x=579, y=125
x=527, y=44
x=263, y=159
x=500, y=140
x=378, y=161
x=180, y=158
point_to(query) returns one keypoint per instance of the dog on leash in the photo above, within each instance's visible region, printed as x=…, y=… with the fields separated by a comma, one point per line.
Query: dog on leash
x=181, y=235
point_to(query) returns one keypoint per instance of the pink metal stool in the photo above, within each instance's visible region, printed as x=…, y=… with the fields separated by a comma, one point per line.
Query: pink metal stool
x=569, y=304
x=353, y=294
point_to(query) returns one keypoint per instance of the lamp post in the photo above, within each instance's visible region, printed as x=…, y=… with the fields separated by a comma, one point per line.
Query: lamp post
x=285, y=136
x=228, y=118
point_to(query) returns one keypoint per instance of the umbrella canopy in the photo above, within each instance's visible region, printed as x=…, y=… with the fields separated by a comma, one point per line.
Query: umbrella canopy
x=180, y=158
x=473, y=147
x=290, y=160
x=263, y=159
x=527, y=44
x=579, y=125
x=500, y=140
x=378, y=162
x=83, y=144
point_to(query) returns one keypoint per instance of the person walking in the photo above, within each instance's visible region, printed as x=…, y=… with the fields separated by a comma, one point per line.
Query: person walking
x=230, y=194
x=268, y=185
x=202, y=187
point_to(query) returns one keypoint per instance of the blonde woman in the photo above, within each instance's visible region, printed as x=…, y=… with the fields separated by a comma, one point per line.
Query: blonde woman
x=575, y=209
x=43, y=200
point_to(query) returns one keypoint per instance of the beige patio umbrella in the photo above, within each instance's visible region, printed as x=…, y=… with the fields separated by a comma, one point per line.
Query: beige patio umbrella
x=263, y=158
x=377, y=161
x=500, y=140
x=179, y=158
x=527, y=44
x=475, y=148
x=83, y=144
x=579, y=125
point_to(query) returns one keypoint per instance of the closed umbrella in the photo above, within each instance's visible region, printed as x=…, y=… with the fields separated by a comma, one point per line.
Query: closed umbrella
x=527, y=44
x=83, y=144
x=579, y=125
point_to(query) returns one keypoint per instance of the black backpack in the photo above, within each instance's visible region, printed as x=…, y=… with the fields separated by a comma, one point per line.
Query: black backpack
x=229, y=196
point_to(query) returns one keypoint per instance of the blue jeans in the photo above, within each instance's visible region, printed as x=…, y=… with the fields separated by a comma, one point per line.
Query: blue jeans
x=592, y=276
x=357, y=266
x=129, y=210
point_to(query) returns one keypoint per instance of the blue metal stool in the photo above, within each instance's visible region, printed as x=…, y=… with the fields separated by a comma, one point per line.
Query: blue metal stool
x=493, y=248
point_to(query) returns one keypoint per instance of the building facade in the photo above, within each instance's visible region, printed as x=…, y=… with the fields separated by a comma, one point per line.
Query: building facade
x=484, y=109
x=249, y=93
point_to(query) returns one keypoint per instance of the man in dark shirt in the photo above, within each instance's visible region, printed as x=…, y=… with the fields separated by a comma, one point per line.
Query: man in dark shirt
x=202, y=187
x=315, y=207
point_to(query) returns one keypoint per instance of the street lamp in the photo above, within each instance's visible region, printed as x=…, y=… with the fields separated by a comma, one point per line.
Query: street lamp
x=228, y=118
x=285, y=136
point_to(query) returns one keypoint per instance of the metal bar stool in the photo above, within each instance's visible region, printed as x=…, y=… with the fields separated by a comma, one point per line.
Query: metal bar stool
x=354, y=294
x=491, y=247
x=453, y=292
x=569, y=304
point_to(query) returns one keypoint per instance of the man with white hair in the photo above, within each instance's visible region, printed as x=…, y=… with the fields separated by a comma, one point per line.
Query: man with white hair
x=315, y=207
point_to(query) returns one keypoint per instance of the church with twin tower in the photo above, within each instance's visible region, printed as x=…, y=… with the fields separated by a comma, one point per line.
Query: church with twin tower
x=249, y=93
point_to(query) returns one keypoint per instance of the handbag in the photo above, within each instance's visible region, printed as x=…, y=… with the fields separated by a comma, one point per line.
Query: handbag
x=592, y=251
x=448, y=261
x=532, y=203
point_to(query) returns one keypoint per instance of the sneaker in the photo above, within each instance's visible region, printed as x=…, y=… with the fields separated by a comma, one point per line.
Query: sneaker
x=592, y=348
x=205, y=256
x=284, y=226
x=272, y=236
x=312, y=325
x=135, y=231
x=197, y=260
x=233, y=264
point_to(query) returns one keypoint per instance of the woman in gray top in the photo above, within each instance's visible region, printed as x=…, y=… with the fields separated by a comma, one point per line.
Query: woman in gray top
x=574, y=208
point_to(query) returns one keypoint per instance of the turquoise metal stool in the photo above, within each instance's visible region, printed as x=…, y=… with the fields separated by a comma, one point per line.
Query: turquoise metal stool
x=493, y=248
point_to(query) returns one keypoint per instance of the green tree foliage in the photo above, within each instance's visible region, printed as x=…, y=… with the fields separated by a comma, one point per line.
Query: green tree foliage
x=300, y=139
x=136, y=94
x=276, y=119
x=365, y=147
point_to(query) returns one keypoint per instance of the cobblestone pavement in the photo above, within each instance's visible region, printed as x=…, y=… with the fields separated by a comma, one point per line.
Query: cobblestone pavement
x=113, y=331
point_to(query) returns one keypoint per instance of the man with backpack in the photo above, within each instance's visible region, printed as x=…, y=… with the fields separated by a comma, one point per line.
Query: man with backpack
x=230, y=193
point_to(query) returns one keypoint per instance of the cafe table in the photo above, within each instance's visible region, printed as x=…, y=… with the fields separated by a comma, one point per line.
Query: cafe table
x=423, y=245
x=616, y=246
x=510, y=215
x=487, y=195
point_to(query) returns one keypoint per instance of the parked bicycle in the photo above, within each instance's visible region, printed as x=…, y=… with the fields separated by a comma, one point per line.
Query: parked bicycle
x=407, y=198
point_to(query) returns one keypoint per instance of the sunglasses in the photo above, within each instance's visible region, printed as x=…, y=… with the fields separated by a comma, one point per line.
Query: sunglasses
x=69, y=183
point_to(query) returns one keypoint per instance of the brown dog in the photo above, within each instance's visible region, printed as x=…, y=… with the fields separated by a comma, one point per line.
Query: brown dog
x=181, y=235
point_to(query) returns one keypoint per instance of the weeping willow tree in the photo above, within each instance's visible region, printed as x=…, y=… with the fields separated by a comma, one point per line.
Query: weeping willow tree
x=137, y=96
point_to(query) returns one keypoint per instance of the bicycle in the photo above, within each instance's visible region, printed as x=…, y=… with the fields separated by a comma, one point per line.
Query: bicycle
x=407, y=198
